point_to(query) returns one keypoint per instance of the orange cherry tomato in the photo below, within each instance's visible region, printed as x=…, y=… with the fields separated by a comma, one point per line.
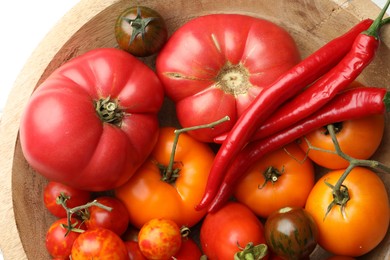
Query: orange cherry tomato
x=279, y=179
x=99, y=243
x=358, y=138
x=159, y=239
x=147, y=196
x=359, y=226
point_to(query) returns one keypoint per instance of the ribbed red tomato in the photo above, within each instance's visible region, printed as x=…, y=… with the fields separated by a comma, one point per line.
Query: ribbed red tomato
x=93, y=121
x=215, y=65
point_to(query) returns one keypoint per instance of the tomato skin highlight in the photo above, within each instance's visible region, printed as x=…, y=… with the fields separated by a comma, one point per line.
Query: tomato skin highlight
x=291, y=233
x=295, y=170
x=116, y=220
x=228, y=230
x=367, y=130
x=99, y=243
x=53, y=126
x=159, y=239
x=223, y=73
x=160, y=199
x=366, y=215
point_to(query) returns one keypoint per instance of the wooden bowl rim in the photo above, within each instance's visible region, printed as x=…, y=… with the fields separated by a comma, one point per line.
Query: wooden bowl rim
x=24, y=85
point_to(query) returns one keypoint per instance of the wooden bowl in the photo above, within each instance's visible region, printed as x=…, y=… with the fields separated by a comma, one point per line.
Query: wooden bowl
x=90, y=24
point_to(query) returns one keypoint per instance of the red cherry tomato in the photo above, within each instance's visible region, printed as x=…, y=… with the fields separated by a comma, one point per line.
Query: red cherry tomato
x=159, y=239
x=99, y=243
x=76, y=197
x=229, y=230
x=59, y=239
x=134, y=251
x=116, y=220
x=189, y=250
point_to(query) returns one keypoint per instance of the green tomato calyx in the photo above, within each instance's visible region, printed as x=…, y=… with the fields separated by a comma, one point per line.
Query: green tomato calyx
x=252, y=252
x=108, y=111
x=138, y=24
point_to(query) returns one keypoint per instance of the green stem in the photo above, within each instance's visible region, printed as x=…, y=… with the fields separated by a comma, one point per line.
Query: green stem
x=62, y=198
x=352, y=161
x=177, y=132
x=374, y=28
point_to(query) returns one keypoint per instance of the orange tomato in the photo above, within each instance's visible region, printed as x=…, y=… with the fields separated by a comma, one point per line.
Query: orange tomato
x=146, y=196
x=363, y=222
x=159, y=239
x=358, y=138
x=99, y=243
x=287, y=176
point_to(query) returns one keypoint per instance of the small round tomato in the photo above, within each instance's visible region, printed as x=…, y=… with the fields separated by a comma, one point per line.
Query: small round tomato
x=159, y=239
x=134, y=251
x=151, y=194
x=59, y=239
x=116, y=220
x=189, y=250
x=291, y=233
x=99, y=243
x=229, y=230
x=356, y=223
x=75, y=197
x=359, y=138
x=272, y=182
x=140, y=31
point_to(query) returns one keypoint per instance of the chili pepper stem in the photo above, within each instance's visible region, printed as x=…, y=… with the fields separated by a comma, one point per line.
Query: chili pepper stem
x=169, y=170
x=374, y=28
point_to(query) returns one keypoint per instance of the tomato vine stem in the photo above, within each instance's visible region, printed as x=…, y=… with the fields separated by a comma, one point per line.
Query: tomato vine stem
x=62, y=199
x=169, y=172
x=339, y=191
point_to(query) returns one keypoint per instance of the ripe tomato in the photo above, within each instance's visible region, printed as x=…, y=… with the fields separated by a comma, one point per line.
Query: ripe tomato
x=159, y=239
x=111, y=94
x=272, y=182
x=99, y=243
x=363, y=222
x=189, y=250
x=59, y=239
x=134, y=251
x=141, y=31
x=230, y=229
x=76, y=197
x=116, y=220
x=223, y=72
x=291, y=233
x=172, y=199
x=358, y=138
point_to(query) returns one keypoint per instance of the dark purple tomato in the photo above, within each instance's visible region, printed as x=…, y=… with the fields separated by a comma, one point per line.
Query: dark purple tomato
x=140, y=31
x=291, y=233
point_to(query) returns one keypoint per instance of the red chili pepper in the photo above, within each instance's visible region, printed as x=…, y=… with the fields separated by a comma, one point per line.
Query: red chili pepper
x=288, y=85
x=350, y=104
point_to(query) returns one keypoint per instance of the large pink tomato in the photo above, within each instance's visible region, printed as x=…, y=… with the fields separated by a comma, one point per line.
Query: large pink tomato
x=215, y=65
x=93, y=121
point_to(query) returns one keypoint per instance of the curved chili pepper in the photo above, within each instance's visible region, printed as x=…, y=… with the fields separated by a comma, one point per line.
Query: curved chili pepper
x=350, y=104
x=288, y=85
